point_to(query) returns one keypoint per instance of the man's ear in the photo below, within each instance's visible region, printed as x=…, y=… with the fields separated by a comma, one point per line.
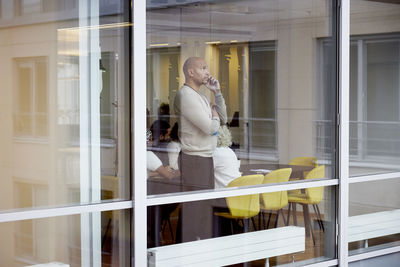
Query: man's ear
x=190, y=72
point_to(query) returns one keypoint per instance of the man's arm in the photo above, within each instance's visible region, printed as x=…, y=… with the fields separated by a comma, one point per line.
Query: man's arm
x=168, y=172
x=221, y=107
x=214, y=86
x=193, y=110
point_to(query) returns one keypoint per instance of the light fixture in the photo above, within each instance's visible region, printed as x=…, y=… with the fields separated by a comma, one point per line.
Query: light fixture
x=213, y=42
x=158, y=45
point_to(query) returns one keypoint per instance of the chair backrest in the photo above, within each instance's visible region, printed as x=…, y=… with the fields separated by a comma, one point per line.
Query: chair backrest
x=304, y=161
x=276, y=200
x=315, y=194
x=248, y=205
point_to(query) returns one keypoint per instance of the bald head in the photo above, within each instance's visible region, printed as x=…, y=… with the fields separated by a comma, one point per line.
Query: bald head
x=191, y=63
x=196, y=72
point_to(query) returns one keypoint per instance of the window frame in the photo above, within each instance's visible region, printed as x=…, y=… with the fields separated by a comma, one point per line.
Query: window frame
x=140, y=197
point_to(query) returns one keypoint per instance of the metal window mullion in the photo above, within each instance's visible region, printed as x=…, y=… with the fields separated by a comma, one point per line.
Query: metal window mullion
x=229, y=192
x=33, y=214
x=398, y=88
x=323, y=263
x=374, y=177
x=360, y=99
x=139, y=132
x=343, y=79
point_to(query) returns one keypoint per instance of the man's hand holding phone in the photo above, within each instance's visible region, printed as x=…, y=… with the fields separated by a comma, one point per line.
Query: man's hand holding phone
x=213, y=84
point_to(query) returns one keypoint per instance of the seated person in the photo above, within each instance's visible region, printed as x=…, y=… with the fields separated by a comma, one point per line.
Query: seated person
x=174, y=147
x=160, y=131
x=158, y=143
x=156, y=168
x=226, y=164
x=154, y=164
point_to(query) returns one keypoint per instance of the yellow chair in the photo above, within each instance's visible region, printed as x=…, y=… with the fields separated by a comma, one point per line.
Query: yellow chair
x=275, y=201
x=312, y=196
x=243, y=207
x=304, y=161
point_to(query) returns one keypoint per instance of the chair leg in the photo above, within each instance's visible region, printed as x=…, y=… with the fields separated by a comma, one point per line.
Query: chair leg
x=316, y=214
x=320, y=218
x=269, y=218
x=261, y=214
x=254, y=223
x=105, y=233
x=283, y=216
x=307, y=222
x=263, y=217
x=312, y=234
x=294, y=214
x=241, y=225
x=288, y=215
x=245, y=225
x=232, y=226
x=163, y=225
x=276, y=219
x=170, y=230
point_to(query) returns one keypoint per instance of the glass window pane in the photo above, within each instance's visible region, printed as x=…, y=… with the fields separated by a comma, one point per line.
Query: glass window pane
x=385, y=260
x=66, y=92
x=374, y=215
x=94, y=239
x=223, y=232
x=275, y=63
x=374, y=87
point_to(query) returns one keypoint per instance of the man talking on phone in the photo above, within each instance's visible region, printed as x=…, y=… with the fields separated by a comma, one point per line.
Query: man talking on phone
x=198, y=129
x=199, y=124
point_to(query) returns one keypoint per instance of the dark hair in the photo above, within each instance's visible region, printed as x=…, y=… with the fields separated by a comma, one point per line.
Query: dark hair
x=174, y=133
x=159, y=128
x=163, y=109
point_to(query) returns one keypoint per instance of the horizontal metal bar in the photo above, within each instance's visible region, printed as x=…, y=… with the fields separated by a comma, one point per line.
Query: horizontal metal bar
x=373, y=162
x=180, y=197
x=376, y=122
x=334, y=262
x=375, y=253
x=62, y=211
x=374, y=177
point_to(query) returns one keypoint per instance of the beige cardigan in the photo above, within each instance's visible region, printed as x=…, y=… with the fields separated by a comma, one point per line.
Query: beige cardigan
x=197, y=127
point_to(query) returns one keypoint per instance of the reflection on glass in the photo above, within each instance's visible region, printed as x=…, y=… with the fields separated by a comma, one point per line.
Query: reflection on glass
x=374, y=215
x=95, y=239
x=65, y=90
x=374, y=88
x=252, y=228
x=273, y=69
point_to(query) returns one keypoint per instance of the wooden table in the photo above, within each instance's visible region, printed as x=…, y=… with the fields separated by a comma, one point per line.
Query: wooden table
x=297, y=171
x=159, y=185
